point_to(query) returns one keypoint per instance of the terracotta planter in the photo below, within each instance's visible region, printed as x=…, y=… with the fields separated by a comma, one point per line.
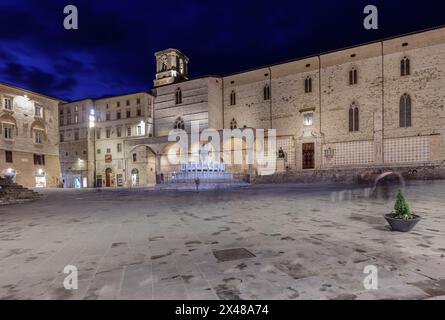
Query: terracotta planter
x=400, y=224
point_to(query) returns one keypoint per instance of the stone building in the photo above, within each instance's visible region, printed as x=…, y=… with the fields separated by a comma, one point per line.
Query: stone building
x=374, y=105
x=29, y=144
x=378, y=105
x=94, y=134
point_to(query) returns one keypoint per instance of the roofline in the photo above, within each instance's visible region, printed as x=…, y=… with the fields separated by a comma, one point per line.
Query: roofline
x=108, y=97
x=31, y=91
x=335, y=50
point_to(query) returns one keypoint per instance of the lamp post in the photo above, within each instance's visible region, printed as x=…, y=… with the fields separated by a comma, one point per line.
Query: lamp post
x=92, y=125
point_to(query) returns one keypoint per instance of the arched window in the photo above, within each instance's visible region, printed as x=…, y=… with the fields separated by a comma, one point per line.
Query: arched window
x=405, y=67
x=179, y=124
x=405, y=111
x=233, y=98
x=308, y=85
x=353, y=76
x=354, y=118
x=233, y=124
x=178, y=96
x=266, y=92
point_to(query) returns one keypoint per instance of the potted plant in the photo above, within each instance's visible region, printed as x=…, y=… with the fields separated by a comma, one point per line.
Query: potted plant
x=403, y=220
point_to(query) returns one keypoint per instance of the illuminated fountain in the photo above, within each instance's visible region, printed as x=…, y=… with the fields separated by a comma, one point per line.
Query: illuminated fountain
x=204, y=170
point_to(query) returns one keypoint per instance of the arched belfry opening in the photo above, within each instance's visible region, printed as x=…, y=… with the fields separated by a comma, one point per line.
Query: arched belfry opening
x=171, y=67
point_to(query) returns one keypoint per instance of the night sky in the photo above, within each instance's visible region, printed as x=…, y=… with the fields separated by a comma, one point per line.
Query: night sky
x=112, y=51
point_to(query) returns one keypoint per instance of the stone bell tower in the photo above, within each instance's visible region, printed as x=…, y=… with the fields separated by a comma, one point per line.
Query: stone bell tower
x=171, y=67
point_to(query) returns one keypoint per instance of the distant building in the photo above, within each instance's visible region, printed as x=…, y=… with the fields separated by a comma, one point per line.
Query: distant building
x=93, y=136
x=29, y=142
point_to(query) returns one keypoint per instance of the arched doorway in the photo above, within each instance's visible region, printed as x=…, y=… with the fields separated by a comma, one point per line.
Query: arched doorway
x=108, y=177
x=134, y=177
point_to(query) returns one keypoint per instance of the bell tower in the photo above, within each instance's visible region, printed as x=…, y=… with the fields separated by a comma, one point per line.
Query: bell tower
x=171, y=67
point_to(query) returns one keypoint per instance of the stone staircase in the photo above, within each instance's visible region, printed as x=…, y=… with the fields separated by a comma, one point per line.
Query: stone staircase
x=12, y=193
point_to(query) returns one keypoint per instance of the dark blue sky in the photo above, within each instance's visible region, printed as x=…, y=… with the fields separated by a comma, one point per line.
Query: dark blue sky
x=112, y=52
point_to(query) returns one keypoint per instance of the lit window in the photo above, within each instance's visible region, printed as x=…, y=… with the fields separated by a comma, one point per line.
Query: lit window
x=308, y=119
x=139, y=130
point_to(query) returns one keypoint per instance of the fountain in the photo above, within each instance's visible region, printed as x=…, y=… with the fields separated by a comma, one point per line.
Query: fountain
x=204, y=170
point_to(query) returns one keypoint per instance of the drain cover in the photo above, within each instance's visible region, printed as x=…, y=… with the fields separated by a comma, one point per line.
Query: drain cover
x=233, y=254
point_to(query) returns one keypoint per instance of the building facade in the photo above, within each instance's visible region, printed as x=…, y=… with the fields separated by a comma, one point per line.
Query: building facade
x=374, y=105
x=94, y=134
x=29, y=144
x=369, y=106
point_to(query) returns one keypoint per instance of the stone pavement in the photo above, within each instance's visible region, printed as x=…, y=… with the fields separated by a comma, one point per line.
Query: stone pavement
x=299, y=241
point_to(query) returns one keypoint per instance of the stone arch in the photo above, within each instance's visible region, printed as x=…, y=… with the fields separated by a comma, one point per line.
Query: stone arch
x=146, y=164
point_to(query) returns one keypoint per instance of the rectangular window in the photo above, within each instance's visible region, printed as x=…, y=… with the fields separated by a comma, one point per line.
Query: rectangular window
x=108, y=116
x=98, y=134
x=8, y=103
x=119, y=132
x=38, y=136
x=62, y=137
x=139, y=130
x=61, y=121
x=39, y=159
x=134, y=157
x=139, y=101
x=108, y=132
x=68, y=120
x=108, y=150
x=128, y=114
x=118, y=104
x=308, y=119
x=118, y=115
x=139, y=112
x=119, y=147
x=128, y=102
x=8, y=131
x=8, y=156
x=76, y=118
x=98, y=151
x=128, y=131
x=76, y=135
x=38, y=111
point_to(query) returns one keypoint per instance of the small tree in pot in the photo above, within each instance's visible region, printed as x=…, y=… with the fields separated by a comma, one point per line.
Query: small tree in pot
x=403, y=219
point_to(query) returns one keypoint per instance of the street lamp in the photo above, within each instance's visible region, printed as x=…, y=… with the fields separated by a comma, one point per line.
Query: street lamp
x=92, y=124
